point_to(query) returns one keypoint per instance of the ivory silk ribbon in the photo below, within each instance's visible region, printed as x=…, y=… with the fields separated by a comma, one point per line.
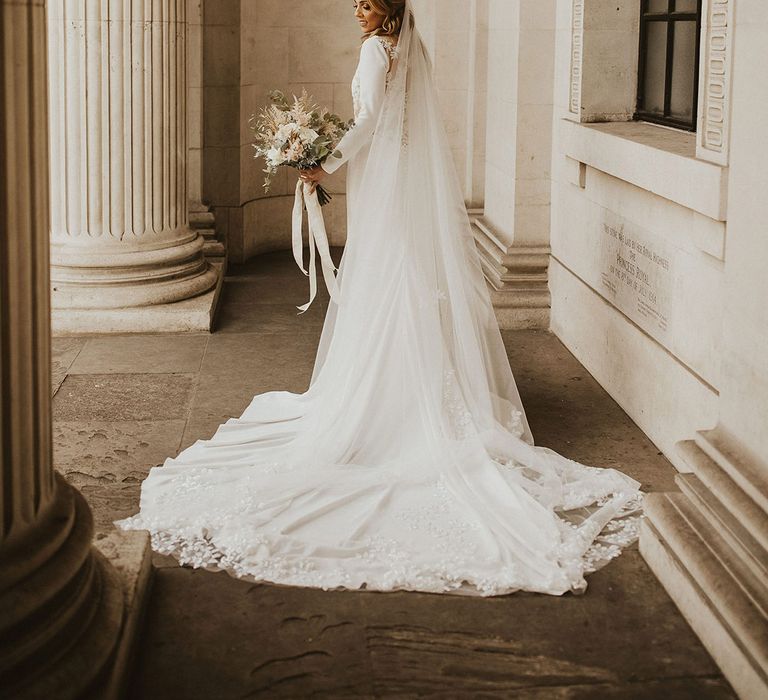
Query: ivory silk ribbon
x=317, y=237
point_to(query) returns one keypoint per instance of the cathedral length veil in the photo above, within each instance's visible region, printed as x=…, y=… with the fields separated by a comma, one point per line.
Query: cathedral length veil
x=408, y=464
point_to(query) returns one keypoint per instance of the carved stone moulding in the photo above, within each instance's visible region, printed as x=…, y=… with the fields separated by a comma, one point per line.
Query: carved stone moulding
x=120, y=275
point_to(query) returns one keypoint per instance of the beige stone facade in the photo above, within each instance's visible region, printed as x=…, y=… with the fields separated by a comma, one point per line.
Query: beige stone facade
x=655, y=280
x=640, y=246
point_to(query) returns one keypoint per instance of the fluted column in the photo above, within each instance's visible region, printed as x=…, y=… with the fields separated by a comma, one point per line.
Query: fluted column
x=195, y=104
x=118, y=90
x=60, y=602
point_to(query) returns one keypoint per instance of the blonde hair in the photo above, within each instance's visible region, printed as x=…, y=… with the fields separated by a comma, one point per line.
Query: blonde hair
x=393, y=11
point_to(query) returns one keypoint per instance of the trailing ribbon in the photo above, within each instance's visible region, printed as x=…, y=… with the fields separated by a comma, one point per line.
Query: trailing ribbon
x=317, y=237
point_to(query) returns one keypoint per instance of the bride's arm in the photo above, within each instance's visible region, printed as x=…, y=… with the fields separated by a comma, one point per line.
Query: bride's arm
x=372, y=71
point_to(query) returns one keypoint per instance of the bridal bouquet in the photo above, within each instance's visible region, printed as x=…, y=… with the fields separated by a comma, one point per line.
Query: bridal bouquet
x=297, y=134
x=301, y=135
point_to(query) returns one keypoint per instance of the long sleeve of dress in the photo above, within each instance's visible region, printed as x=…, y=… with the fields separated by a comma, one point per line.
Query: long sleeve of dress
x=372, y=76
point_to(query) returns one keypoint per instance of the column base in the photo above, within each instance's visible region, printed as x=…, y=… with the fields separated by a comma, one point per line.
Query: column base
x=130, y=556
x=195, y=315
x=708, y=545
x=517, y=278
x=113, y=275
x=61, y=605
x=203, y=220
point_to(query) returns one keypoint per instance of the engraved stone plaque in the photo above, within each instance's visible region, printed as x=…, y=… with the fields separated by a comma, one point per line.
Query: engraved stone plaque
x=637, y=274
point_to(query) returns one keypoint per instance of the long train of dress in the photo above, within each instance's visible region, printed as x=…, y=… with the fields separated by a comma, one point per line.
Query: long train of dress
x=408, y=464
x=482, y=514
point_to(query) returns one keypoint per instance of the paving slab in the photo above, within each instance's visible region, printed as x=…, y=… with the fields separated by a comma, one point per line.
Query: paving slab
x=675, y=689
x=108, y=460
x=277, y=265
x=64, y=351
x=623, y=639
x=124, y=397
x=264, y=362
x=153, y=354
x=271, y=318
x=113, y=451
x=263, y=290
x=278, y=643
x=624, y=629
x=277, y=360
x=570, y=412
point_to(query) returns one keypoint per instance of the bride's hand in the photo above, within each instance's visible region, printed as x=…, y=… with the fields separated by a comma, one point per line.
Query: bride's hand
x=314, y=175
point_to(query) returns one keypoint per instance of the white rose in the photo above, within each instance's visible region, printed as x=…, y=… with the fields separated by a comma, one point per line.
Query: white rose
x=307, y=136
x=285, y=132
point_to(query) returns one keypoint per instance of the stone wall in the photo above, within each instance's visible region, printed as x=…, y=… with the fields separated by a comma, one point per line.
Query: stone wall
x=252, y=47
x=638, y=234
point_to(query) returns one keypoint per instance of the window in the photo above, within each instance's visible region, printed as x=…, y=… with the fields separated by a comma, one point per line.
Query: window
x=668, y=70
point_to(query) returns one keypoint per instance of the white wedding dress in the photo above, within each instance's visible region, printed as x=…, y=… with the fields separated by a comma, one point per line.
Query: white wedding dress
x=408, y=464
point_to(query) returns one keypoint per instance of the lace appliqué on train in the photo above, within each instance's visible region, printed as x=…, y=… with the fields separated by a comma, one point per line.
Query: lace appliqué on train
x=387, y=563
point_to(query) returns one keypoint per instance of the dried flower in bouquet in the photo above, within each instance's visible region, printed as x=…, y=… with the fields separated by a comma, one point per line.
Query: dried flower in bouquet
x=296, y=134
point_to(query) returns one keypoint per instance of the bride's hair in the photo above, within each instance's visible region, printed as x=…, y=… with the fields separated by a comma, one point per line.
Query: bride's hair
x=394, y=11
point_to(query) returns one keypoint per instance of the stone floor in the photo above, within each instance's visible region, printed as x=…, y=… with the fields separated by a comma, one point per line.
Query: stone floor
x=123, y=404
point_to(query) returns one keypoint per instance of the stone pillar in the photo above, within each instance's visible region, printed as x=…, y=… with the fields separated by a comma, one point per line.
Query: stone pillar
x=61, y=604
x=456, y=35
x=513, y=231
x=195, y=104
x=120, y=235
x=708, y=544
x=201, y=218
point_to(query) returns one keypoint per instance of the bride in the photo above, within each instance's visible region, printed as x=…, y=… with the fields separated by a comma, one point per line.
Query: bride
x=408, y=464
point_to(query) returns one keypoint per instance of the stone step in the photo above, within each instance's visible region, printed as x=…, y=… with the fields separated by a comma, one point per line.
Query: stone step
x=745, y=473
x=688, y=555
x=707, y=518
x=716, y=472
x=744, y=532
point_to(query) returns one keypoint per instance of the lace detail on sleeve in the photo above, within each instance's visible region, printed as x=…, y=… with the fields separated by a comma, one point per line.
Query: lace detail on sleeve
x=356, y=101
x=391, y=48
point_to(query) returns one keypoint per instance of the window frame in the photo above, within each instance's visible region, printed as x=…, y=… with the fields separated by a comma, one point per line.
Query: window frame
x=670, y=17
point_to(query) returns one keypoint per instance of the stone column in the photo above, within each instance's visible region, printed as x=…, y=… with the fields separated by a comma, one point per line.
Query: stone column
x=120, y=235
x=456, y=35
x=513, y=230
x=61, y=604
x=201, y=218
x=708, y=544
x=195, y=104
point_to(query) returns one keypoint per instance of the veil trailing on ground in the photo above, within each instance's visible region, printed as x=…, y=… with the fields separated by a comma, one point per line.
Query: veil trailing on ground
x=408, y=463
